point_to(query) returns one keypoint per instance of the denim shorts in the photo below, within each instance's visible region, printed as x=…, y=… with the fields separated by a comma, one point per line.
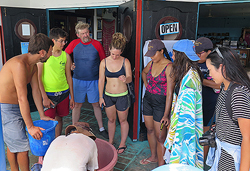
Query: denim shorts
x=14, y=133
x=82, y=88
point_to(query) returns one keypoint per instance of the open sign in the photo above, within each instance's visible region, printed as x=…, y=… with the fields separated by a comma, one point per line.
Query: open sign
x=169, y=28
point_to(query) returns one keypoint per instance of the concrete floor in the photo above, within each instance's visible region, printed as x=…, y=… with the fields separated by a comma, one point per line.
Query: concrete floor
x=128, y=161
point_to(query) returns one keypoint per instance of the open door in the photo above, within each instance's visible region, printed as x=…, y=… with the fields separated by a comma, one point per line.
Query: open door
x=154, y=13
x=127, y=26
x=162, y=12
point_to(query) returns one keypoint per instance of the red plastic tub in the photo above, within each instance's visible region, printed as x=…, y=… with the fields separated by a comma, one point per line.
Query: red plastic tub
x=107, y=155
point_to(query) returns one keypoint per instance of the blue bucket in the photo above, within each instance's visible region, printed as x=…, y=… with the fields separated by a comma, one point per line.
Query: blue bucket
x=39, y=147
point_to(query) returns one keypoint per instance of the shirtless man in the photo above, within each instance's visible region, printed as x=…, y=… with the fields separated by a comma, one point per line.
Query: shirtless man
x=15, y=75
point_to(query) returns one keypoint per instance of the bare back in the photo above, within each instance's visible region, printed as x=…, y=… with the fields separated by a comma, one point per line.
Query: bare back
x=15, y=74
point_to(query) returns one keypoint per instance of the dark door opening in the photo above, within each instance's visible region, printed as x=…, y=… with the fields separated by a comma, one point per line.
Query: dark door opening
x=224, y=23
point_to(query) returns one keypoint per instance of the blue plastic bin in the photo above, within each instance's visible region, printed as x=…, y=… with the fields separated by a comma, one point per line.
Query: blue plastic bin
x=39, y=147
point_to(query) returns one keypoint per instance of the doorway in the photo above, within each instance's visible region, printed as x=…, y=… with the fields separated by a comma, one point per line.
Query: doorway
x=224, y=23
x=102, y=21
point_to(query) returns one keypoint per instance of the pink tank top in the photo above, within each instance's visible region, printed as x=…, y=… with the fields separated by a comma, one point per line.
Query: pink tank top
x=157, y=85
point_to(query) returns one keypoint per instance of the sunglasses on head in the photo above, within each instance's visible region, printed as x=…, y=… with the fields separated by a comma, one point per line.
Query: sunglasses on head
x=217, y=50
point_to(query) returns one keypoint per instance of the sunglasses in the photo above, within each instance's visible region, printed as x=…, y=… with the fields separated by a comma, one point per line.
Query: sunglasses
x=199, y=54
x=217, y=50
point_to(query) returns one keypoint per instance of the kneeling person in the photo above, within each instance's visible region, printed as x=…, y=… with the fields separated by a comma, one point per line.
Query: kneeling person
x=74, y=151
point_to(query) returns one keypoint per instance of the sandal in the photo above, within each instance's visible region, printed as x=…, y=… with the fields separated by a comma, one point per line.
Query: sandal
x=146, y=161
x=36, y=167
x=121, y=148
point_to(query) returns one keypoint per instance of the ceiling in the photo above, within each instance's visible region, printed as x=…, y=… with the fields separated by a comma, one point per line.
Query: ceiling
x=229, y=10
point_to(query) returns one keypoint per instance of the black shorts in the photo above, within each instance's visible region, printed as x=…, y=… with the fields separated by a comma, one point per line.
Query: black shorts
x=154, y=105
x=121, y=103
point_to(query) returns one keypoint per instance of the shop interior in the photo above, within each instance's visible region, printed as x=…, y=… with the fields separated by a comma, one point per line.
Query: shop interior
x=102, y=21
x=224, y=24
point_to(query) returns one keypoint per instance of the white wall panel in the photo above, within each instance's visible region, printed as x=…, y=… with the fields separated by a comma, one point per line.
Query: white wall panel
x=72, y=3
x=15, y=3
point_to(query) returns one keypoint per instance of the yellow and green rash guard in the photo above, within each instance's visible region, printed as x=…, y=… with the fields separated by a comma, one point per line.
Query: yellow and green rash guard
x=54, y=76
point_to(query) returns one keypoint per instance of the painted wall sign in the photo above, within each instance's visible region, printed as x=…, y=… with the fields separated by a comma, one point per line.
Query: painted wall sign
x=169, y=28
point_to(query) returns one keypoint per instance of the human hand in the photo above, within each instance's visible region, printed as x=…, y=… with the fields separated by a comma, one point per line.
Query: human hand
x=35, y=132
x=101, y=102
x=46, y=118
x=73, y=67
x=72, y=104
x=47, y=103
x=122, y=78
x=165, y=120
x=212, y=128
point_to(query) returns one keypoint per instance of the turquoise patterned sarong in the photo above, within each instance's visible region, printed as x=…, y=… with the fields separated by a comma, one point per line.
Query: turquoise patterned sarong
x=187, y=123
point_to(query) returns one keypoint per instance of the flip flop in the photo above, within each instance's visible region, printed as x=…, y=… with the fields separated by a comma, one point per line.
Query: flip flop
x=121, y=148
x=142, y=162
x=36, y=167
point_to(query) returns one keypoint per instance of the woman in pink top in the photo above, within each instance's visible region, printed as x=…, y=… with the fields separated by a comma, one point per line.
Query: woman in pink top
x=157, y=100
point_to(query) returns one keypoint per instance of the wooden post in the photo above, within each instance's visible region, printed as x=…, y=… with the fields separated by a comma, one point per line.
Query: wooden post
x=137, y=64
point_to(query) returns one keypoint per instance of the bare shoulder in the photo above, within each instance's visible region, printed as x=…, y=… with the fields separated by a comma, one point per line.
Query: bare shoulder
x=16, y=62
x=127, y=61
x=103, y=60
x=169, y=65
x=167, y=62
x=69, y=60
x=21, y=65
x=67, y=55
x=102, y=63
x=149, y=64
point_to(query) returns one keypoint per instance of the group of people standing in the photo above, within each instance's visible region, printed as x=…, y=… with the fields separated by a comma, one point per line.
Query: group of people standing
x=182, y=95
x=91, y=68
x=186, y=94
x=48, y=69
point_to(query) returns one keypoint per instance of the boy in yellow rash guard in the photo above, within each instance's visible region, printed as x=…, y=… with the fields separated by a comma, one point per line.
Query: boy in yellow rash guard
x=55, y=80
